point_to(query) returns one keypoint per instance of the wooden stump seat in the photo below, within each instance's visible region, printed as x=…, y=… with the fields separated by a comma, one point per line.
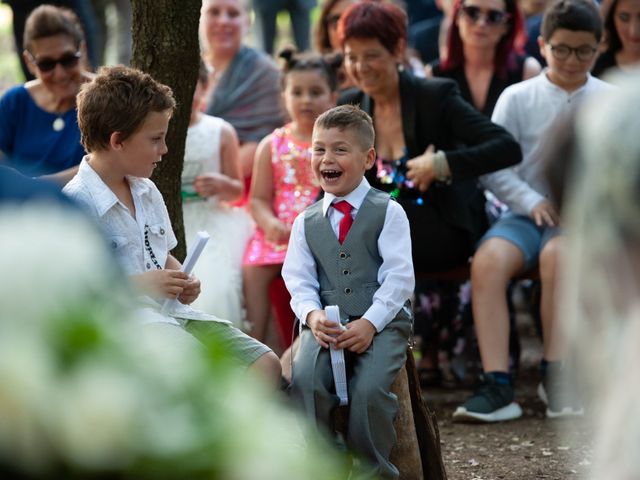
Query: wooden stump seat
x=417, y=453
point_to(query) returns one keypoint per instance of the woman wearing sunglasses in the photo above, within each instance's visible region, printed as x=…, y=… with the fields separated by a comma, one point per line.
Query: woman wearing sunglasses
x=484, y=51
x=39, y=132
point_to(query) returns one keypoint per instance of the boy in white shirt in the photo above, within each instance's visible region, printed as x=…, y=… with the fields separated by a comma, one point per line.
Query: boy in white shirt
x=123, y=115
x=529, y=234
x=351, y=249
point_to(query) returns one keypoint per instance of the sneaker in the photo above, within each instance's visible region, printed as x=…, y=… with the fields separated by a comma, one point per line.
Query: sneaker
x=490, y=403
x=558, y=399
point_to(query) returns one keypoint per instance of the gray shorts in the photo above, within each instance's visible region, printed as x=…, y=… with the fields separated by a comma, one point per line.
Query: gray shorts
x=523, y=232
x=243, y=349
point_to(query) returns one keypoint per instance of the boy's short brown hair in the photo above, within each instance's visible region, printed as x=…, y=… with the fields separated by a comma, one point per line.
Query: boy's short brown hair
x=574, y=15
x=349, y=117
x=118, y=99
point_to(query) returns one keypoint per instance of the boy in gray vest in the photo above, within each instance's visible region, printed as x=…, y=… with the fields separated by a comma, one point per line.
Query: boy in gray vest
x=351, y=249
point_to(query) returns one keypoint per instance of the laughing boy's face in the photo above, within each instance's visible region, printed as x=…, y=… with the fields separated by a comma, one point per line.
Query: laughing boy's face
x=338, y=160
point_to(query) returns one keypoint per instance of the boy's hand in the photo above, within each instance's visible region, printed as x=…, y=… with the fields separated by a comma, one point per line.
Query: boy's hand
x=544, y=213
x=276, y=231
x=163, y=283
x=191, y=291
x=324, y=330
x=209, y=184
x=358, y=336
x=420, y=170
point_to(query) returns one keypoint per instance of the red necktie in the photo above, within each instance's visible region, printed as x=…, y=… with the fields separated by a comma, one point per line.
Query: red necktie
x=346, y=221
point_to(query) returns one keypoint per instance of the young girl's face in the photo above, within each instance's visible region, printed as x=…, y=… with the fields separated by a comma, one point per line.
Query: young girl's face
x=627, y=23
x=307, y=95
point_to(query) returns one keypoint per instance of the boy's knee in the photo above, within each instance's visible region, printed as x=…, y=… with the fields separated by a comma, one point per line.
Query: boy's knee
x=548, y=260
x=367, y=393
x=494, y=259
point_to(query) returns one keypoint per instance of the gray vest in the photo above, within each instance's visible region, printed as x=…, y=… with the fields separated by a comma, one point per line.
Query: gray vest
x=348, y=273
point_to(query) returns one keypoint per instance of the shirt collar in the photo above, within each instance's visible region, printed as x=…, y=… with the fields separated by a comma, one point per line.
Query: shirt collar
x=355, y=197
x=103, y=196
x=544, y=78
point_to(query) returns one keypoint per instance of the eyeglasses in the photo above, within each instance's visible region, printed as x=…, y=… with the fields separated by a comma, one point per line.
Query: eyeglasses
x=67, y=61
x=584, y=53
x=492, y=17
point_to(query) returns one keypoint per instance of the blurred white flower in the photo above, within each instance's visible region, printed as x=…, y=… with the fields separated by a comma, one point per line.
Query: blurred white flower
x=85, y=388
x=25, y=383
x=94, y=416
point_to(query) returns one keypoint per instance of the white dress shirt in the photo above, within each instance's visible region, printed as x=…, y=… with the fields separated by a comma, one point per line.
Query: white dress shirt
x=528, y=110
x=126, y=234
x=395, y=275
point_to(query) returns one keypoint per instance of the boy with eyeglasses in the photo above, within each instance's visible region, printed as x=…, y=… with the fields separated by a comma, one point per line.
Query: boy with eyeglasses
x=529, y=233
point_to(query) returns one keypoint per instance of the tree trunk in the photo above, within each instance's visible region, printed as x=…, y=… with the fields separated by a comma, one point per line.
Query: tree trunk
x=165, y=45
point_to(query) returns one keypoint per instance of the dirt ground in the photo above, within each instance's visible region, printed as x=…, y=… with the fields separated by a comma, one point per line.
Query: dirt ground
x=531, y=447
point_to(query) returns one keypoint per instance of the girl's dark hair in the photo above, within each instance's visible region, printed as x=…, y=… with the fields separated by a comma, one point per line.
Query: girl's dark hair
x=301, y=62
x=607, y=12
x=48, y=21
x=506, y=49
x=203, y=73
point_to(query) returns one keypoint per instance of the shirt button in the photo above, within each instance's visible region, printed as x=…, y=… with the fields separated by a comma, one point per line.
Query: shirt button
x=342, y=255
x=162, y=231
x=114, y=245
x=345, y=272
x=148, y=266
x=347, y=290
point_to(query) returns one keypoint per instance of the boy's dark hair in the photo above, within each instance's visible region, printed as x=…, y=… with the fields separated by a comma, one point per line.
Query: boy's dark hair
x=303, y=62
x=118, y=100
x=47, y=21
x=349, y=117
x=203, y=73
x=574, y=15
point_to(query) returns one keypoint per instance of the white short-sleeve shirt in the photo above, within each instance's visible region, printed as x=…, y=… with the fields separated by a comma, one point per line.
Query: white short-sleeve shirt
x=140, y=244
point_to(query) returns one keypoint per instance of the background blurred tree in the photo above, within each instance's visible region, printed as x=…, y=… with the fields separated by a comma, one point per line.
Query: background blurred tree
x=165, y=45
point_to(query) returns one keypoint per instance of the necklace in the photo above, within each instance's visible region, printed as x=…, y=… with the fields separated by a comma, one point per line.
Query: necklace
x=58, y=124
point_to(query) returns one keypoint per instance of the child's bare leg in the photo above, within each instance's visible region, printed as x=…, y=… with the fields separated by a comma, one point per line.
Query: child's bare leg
x=256, y=280
x=495, y=263
x=287, y=357
x=268, y=368
x=549, y=257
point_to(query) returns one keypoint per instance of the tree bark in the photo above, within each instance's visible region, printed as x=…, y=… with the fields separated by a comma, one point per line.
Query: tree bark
x=165, y=45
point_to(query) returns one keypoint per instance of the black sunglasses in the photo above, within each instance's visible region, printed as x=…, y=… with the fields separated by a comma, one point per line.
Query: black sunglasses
x=492, y=17
x=67, y=61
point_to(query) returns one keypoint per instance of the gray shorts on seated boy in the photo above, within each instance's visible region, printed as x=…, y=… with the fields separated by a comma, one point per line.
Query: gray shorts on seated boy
x=360, y=260
x=123, y=116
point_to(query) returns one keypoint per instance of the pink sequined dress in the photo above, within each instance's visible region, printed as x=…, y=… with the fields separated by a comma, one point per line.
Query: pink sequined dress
x=295, y=188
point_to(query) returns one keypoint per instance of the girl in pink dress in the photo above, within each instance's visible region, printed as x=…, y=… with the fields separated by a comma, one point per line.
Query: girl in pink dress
x=282, y=184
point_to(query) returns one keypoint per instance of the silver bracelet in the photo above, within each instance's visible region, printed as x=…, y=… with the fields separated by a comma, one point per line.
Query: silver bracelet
x=441, y=167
